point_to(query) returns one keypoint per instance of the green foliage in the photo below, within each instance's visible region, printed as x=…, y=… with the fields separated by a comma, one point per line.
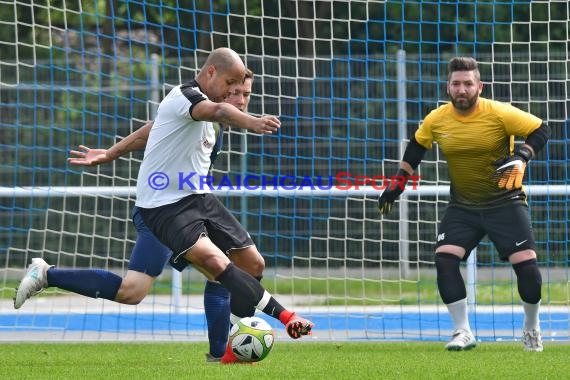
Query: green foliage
x=404, y=23
x=295, y=360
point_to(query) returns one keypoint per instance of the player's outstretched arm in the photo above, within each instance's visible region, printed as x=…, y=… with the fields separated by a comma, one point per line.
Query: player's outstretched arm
x=227, y=114
x=86, y=156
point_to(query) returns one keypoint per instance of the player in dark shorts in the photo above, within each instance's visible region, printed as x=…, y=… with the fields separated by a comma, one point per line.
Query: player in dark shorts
x=476, y=135
x=149, y=256
x=171, y=194
x=182, y=140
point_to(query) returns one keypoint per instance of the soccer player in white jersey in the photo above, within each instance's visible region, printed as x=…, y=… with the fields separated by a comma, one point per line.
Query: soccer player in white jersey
x=149, y=255
x=184, y=215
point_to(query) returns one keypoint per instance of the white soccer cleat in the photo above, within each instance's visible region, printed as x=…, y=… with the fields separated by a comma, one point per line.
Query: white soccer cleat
x=462, y=340
x=34, y=282
x=532, y=340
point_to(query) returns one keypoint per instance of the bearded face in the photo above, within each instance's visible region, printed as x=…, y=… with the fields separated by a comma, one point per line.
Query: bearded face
x=464, y=89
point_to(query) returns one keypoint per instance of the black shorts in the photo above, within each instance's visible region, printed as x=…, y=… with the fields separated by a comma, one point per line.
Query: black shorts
x=181, y=224
x=509, y=228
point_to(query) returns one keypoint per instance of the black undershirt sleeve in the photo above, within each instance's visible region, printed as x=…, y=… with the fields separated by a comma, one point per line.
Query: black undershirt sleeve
x=538, y=138
x=414, y=153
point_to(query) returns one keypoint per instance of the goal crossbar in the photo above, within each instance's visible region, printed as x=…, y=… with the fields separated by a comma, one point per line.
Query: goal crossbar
x=126, y=191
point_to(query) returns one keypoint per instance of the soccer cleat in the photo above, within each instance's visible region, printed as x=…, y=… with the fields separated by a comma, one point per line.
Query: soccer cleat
x=532, y=340
x=462, y=340
x=297, y=326
x=229, y=357
x=212, y=359
x=34, y=282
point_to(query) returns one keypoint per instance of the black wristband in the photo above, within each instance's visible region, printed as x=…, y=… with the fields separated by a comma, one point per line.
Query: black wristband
x=524, y=152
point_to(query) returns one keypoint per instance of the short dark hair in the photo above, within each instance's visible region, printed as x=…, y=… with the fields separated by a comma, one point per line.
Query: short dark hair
x=463, y=64
x=248, y=74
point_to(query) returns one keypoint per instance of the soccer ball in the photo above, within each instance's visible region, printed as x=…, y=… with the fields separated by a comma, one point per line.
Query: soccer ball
x=251, y=339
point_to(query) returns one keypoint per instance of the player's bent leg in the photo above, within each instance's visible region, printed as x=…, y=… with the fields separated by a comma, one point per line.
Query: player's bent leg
x=244, y=288
x=247, y=294
x=134, y=288
x=94, y=283
x=248, y=259
x=207, y=258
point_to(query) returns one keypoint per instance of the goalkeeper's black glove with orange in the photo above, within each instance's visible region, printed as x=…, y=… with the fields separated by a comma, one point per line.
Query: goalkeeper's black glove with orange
x=394, y=189
x=510, y=170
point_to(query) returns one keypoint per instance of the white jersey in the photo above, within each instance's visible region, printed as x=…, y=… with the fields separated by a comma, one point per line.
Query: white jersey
x=177, y=155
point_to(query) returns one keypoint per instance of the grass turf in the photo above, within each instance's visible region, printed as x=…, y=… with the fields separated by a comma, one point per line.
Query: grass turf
x=288, y=360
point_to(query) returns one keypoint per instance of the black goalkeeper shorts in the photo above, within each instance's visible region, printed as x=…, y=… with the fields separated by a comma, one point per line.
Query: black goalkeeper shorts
x=508, y=227
x=181, y=224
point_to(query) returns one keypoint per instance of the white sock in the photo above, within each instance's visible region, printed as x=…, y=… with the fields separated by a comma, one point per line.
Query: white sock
x=459, y=314
x=531, y=319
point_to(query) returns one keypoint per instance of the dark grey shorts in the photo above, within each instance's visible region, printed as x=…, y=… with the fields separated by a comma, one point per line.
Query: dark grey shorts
x=509, y=228
x=181, y=224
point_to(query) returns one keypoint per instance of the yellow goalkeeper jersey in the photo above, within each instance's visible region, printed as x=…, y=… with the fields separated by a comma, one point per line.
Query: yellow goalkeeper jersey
x=472, y=143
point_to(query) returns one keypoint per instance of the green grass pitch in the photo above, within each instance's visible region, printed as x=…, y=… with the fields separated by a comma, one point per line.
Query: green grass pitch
x=288, y=360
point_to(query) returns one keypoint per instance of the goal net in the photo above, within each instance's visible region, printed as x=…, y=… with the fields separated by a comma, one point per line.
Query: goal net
x=350, y=82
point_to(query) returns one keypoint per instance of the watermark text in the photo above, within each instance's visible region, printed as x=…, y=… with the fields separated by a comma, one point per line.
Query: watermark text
x=341, y=181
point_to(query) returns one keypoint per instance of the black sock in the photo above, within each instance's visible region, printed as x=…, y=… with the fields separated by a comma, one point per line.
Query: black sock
x=246, y=291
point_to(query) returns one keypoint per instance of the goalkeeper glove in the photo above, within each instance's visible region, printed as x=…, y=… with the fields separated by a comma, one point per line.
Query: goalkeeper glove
x=392, y=192
x=510, y=170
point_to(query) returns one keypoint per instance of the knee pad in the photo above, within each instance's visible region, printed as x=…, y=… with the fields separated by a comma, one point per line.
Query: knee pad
x=529, y=281
x=449, y=280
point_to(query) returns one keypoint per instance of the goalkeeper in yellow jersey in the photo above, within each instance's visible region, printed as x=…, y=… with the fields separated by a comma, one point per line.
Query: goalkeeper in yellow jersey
x=486, y=169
